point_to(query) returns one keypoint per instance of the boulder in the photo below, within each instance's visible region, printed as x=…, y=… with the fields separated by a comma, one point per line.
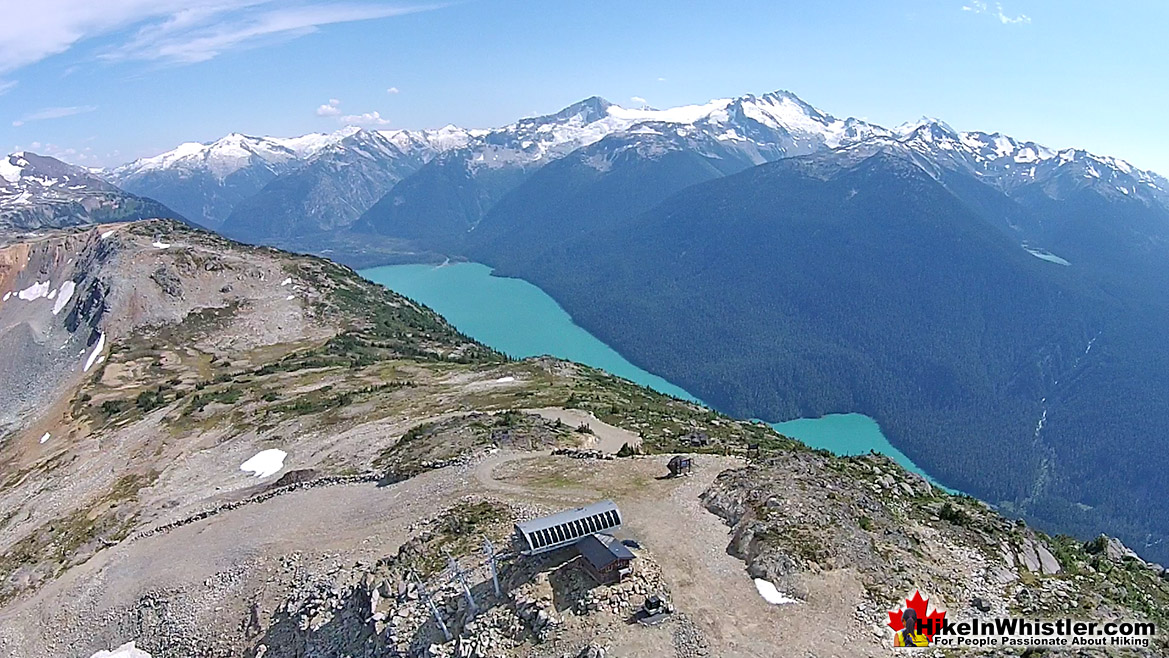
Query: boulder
x=1116, y=550
x=1028, y=557
x=1047, y=562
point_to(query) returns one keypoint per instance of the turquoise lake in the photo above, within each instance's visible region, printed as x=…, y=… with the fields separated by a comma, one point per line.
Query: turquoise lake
x=519, y=319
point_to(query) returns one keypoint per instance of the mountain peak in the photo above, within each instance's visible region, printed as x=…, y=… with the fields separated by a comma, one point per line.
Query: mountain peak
x=589, y=110
x=926, y=127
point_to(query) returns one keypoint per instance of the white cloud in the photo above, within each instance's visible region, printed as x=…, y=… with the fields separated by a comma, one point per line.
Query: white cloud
x=174, y=31
x=332, y=109
x=661, y=79
x=981, y=7
x=6, y=86
x=65, y=154
x=638, y=99
x=54, y=113
x=329, y=109
x=366, y=119
x=392, y=90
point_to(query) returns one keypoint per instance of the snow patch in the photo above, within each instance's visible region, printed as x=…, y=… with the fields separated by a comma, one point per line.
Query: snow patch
x=9, y=171
x=265, y=463
x=290, y=297
x=159, y=244
x=101, y=343
x=1043, y=254
x=35, y=291
x=771, y=594
x=505, y=380
x=127, y=650
x=286, y=281
x=65, y=294
x=7, y=295
x=45, y=437
x=107, y=234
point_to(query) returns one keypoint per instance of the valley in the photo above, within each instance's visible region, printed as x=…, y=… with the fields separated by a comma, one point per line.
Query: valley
x=520, y=320
x=400, y=441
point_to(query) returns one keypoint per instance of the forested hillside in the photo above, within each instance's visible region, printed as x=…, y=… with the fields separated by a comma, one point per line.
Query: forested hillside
x=821, y=284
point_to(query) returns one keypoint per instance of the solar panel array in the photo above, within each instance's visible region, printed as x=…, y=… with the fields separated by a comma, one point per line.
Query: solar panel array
x=566, y=528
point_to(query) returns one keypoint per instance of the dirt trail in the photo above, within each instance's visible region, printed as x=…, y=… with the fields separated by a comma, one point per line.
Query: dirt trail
x=364, y=522
x=605, y=437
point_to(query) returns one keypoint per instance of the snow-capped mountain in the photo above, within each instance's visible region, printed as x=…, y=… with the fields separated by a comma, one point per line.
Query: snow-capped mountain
x=764, y=127
x=1010, y=164
x=336, y=184
x=207, y=181
x=459, y=187
x=450, y=178
x=38, y=191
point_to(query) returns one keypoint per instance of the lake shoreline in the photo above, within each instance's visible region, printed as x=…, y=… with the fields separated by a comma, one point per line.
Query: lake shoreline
x=519, y=319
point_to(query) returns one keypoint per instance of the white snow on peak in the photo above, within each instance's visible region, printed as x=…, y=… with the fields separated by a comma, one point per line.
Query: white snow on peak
x=265, y=463
x=447, y=138
x=312, y=143
x=235, y=151
x=680, y=114
x=909, y=127
x=786, y=112
x=778, y=111
x=12, y=166
x=1003, y=145
x=224, y=156
x=46, y=435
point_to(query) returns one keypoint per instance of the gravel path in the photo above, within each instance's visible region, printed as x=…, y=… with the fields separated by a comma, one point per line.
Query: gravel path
x=606, y=437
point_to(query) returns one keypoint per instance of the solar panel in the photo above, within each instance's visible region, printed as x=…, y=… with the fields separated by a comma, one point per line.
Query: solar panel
x=567, y=527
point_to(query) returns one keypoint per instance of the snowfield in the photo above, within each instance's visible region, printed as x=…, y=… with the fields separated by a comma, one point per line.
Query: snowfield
x=127, y=650
x=63, y=296
x=265, y=463
x=770, y=594
x=101, y=343
x=35, y=291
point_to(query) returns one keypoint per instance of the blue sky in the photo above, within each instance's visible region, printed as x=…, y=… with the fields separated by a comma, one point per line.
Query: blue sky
x=101, y=83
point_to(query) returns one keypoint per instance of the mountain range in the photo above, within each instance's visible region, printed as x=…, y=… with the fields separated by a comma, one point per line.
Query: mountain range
x=38, y=191
x=997, y=305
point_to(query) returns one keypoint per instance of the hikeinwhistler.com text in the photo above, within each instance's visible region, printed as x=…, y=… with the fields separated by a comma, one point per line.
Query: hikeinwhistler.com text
x=1017, y=632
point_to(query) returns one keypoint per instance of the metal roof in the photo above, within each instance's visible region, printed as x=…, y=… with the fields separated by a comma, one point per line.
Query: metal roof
x=553, y=520
x=601, y=550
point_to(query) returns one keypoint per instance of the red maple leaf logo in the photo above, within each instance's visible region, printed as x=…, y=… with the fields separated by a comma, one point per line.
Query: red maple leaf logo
x=930, y=621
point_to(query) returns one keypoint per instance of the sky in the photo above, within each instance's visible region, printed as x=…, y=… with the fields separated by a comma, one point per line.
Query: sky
x=103, y=82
